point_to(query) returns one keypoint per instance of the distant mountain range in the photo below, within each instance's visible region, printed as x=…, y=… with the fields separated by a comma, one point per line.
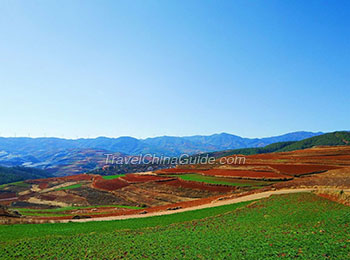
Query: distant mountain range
x=67, y=156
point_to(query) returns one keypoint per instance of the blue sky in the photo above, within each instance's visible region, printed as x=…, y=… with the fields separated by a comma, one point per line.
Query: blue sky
x=149, y=68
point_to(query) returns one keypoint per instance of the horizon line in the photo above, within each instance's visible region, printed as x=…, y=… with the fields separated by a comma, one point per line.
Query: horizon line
x=176, y=136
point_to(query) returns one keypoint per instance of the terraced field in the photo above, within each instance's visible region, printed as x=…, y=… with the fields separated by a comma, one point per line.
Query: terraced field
x=274, y=166
x=286, y=226
x=34, y=199
x=177, y=187
x=111, y=177
x=222, y=181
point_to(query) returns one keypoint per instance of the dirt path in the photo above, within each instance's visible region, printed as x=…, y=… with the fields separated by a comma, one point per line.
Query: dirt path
x=13, y=198
x=213, y=204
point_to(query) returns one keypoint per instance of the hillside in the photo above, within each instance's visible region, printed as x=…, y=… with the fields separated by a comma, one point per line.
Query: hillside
x=250, y=151
x=329, y=139
x=335, y=138
x=14, y=174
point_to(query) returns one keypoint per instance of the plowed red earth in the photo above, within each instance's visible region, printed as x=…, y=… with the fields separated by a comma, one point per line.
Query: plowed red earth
x=80, y=177
x=136, y=178
x=7, y=195
x=197, y=185
x=55, y=197
x=297, y=170
x=109, y=185
x=43, y=185
x=326, y=155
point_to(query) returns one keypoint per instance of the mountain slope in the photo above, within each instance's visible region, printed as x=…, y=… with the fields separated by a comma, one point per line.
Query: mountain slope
x=14, y=174
x=335, y=138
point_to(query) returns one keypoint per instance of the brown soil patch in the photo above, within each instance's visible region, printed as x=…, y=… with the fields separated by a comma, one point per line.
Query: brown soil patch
x=109, y=185
x=298, y=170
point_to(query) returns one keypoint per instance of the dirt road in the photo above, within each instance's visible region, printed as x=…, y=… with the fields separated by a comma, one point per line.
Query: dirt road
x=213, y=204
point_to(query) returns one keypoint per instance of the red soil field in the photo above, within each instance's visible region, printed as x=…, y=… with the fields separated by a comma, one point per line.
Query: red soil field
x=43, y=185
x=7, y=195
x=7, y=202
x=331, y=157
x=297, y=170
x=328, y=155
x=64, y=197
x=79, y=177
x=38, y=181
x=109, y=185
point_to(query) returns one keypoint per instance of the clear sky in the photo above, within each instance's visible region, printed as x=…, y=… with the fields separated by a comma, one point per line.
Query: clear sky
x=149, y=68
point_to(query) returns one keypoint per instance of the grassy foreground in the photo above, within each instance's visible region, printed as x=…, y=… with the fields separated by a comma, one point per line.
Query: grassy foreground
x=286, y=226
x=24, y=231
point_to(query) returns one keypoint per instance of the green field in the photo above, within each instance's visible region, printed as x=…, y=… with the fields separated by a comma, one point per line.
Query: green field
x=222, y=181
x=111, y=177
x=56, y=211
x=73, y=186
x=14, y=232
x=18, y=184
x=40, y=214
x=286, y=226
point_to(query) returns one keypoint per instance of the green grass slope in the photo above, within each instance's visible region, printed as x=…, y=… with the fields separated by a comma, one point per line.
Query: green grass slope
x=287, y=226
x=25, y=231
